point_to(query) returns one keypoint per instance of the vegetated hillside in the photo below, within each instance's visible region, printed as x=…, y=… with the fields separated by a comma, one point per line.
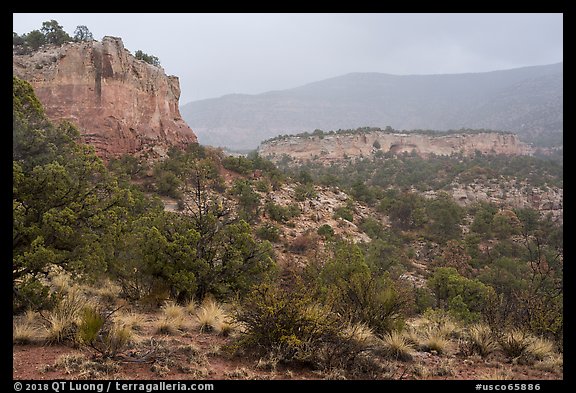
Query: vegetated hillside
x=256, y=272
x=527, y=101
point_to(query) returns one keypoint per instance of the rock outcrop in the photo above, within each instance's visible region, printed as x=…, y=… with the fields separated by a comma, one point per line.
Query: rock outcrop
x=120, y=104
x=329, y=148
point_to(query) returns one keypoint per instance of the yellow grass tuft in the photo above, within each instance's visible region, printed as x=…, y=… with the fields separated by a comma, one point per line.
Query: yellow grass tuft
x=25, y=333
x=397, y=346
x=62, y=282
x=553, y=364
x=210, y=316
x=360, y=333
x=131, y=320
x=434, y=340
x=165, y=325
x=540, y=349
x=480, y=340
x=173, y=311
x=191, y=307
x=65, y=317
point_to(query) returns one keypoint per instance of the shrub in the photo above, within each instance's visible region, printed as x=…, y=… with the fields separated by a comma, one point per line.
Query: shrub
x=279, y=213
x=91, y=322
x=540, y=349
x=240, y=164
x=344, y=213
x=302, y=243
x=326, y=231
x=286, y=323
x=358, y=294
x=97, y=330
x=269, y=232
x=304, y=191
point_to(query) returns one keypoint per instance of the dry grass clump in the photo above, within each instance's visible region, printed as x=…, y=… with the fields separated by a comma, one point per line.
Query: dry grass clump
x=62, y=321
x=211, y=317
x=173, y=318
x=420, y=370
x=396, y=346
x=107, y=291
x=173, y=311
x=540, y=349
x=25, y=332
x=553, y=364
x=165, y=325
x=61, y=282
x=239, y=373
x=412, y=336
x=191, y=307
x=131, y=320
x=434, y=340
x=269, y=363
x=360, y=333
x=443, y=369
x=498, y=375
x=441, y=322
x=515, y=343
x=480, y=341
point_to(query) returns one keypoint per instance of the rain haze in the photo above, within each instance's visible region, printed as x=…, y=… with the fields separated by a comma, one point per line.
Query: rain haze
x=218, y=54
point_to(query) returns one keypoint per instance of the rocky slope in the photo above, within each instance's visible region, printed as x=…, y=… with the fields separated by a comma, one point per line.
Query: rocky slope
x=527, y=101
x=120, y=104
x=338, y=147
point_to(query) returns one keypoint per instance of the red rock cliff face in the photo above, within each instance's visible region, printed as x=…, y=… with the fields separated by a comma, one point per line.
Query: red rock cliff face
x=121, y=104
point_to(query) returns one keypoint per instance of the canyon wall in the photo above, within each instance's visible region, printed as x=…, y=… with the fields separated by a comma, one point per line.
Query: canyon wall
x=120, y=104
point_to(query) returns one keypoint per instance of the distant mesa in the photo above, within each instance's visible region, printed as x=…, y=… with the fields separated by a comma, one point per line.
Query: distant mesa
x=120, y=104
x=345, y=145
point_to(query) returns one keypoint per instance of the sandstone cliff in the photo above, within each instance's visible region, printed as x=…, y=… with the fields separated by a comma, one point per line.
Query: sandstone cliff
x=120, y=104
x=337, y=147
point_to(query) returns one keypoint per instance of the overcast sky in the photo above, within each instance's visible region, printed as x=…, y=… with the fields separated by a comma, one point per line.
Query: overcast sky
x=217, y=54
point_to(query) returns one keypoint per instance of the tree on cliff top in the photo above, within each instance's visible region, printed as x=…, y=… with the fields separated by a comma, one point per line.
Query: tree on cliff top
x=82, y=33
x=54, y=33
x=147, y=58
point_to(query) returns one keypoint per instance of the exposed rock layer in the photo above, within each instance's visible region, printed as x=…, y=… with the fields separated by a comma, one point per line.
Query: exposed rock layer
x=121, y=104
x=337, y=147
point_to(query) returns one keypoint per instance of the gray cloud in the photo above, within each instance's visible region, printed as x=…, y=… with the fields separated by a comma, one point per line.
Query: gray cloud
x=217, y=54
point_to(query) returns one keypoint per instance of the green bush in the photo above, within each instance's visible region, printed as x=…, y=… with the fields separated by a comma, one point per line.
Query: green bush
x=325, y=231
x=91, y=321
x=281, y=214
x=344, y=213
x=291, y=326
x=359, y=294
x=269, y=232
x=463, y=297
x=240, y=164
x=304, y=191
x=287, y=322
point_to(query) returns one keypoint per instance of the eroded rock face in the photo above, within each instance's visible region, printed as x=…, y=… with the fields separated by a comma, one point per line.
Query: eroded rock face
x=120, y=104
x=335, y=147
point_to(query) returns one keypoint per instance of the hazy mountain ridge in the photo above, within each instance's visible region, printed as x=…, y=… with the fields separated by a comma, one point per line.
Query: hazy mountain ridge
x=525, y=100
